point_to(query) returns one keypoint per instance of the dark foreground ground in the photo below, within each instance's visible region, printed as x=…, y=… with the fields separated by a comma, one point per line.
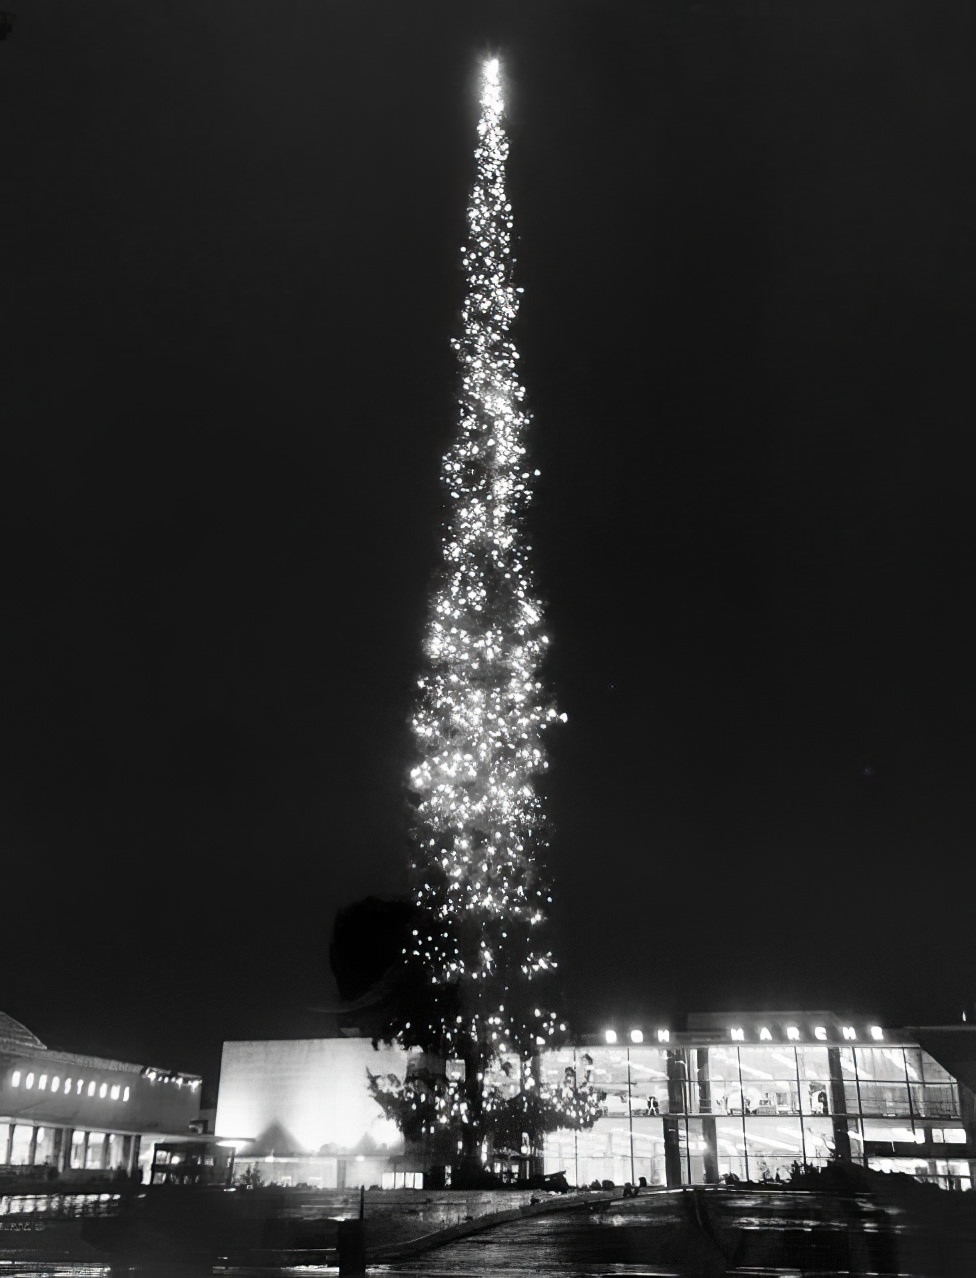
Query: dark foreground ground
x=697, y=1233
x=709, y=1233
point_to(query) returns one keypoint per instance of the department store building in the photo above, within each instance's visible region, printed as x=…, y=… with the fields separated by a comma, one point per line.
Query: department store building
x=79, y=1117
x=744, y=1095
x=747, y=1096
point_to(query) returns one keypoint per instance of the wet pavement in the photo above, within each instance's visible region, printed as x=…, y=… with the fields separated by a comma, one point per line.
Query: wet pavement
x=680, y=1234
x=707, y=1235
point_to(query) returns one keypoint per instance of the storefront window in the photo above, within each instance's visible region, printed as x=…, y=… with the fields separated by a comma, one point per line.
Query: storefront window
x=890, y=1131
x=845, y=1059
x=648, y=1136
x=610, y=1080
x=815, y=1096
x=949, y=1135
x=887, y=1099
x=959, y=1175
x=913, y=1064
x=44, y=1150
x=20, y=1149
x=947, y=1173
x=723, y=1066
x=114, y=1151
x=649, y=1080
x=812, y=1062
x=818, y=1140
x=96, y=1150
x=757, y=1065
x=613, y=1102
x=881, y=1064
x=778, y=1097
x=731, y=1148
x=773, y=1147
x=932, y=1071
x=935, y=1100
x=732, y=1101
x=609, y=1068
x=783, y=1062
x=920, y=1168
x=553, y=1067
x=652, y=1169
x=693, y=1166
x=707, y=1080
x=77, y=1149
x=769, y=1083
x=603, y=1153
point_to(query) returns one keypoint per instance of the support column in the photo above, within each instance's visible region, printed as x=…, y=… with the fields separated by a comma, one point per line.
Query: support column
x=677, y=1108
x=838, y=1106
x=672, y=1151
x=630, y=1121
x=709, y=1134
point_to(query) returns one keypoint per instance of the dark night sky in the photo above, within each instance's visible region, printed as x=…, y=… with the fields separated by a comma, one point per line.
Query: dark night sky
x=230, y=236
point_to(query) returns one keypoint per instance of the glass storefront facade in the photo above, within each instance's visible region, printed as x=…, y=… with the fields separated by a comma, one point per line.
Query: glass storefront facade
x=69, y=1115
x=689, y=1113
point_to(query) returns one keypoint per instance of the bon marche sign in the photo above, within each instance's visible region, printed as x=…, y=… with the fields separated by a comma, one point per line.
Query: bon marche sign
x=797, y=1034
x=741, y=1031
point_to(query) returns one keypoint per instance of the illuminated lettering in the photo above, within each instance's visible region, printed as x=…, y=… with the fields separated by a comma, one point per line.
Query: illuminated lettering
x=877, y=1032
x=738, y=1035
x=764, y=1035
x=664, y=1036
x=848, y=1031
x=792, y=1033
x=820, y=1033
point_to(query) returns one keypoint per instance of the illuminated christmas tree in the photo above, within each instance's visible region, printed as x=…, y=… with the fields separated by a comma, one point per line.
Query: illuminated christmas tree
x=477, y=961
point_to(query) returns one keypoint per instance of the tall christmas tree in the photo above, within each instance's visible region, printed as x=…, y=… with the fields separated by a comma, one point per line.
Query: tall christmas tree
x=477, y=959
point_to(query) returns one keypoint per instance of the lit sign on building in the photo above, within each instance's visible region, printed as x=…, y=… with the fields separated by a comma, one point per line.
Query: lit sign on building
x=773, y=1032
x=794, y=1034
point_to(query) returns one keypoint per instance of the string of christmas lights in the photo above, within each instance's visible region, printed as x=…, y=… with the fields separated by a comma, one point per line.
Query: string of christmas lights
x=479, y=832
x=481, y=713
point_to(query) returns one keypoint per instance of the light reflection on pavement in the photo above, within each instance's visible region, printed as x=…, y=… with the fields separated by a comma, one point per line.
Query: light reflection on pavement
x=674, y=1234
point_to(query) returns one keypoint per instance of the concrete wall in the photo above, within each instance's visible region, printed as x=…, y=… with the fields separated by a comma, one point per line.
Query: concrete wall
x=305, y=1096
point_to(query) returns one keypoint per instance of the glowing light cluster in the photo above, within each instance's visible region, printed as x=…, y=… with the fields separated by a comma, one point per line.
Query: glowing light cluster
x=479, y=831
x=482, y=708
x=513, y=1100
